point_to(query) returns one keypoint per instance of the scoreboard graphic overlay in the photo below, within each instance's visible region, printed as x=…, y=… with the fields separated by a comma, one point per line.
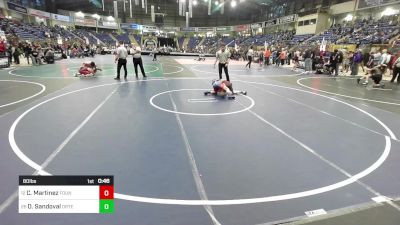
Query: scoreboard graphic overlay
x=66, y=194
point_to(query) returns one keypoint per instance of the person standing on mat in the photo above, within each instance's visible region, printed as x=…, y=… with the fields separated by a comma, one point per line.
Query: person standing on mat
x=249, y=55
x=396, y=70
x=223, y=56
x=267, y=55
x=120, y=57
x=155, y=51
x=136, y=53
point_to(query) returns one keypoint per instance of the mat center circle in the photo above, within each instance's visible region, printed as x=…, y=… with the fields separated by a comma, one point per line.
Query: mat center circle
x=193, y=102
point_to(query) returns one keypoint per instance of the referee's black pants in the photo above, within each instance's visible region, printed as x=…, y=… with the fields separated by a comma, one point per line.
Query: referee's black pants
x=225, y=66
x=121, y=63
x=250, y=59
x=136, y=62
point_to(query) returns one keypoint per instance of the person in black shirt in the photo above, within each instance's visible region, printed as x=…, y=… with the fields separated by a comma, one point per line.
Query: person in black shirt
x=334, y=61
x=307, y=61
x=27, y=52
x=375, y=74
x=35, y=57
x=9, y=54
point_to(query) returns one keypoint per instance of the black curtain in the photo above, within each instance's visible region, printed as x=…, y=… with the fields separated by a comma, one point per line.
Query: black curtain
x=166, y=41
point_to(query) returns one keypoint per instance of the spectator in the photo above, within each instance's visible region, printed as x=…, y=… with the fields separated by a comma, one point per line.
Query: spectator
x=267, y=55
x=15, y=50
x=307, y=61
x=357, y=59
x=27, y=51
x=282, y=57
x=334, y=61
x=396, y=69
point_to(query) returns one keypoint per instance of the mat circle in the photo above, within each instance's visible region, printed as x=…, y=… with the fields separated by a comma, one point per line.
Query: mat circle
x=181, y=69
x=43, y=88
x=252, y=103
x=340, y=184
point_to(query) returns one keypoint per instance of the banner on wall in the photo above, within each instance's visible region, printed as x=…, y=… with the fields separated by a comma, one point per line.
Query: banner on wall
x=205, y=29
x=85, y=22
x=131, y=26
x=223, y=29
x=109, y=24
x=287, y=19
x=17, y=8
x=373, y=3
x=136, y=26
x=172, y=28
x=270, y=23
x=240, y=28
x=150, y=43
x=60, y=17
x=281, y=20
x=256, y=25
x=189, y=29
x=125, y=26
x=338, y=47
x=38, y=13
x=149, y=28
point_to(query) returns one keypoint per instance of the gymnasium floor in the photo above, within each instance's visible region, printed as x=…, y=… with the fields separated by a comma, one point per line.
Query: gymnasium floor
x=296, y=143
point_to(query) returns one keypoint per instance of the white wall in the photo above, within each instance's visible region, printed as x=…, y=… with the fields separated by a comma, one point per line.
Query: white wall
x=61, y=23
x=308, y=17
x=323, y=22
x=15, y=14
x=309, y=29
x=345, y=7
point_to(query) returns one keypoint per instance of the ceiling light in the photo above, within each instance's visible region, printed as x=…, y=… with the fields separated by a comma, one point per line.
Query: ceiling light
x=348, y=18
x=233, y=4
x=80, y=14
x=389, y=12
x=96, y=16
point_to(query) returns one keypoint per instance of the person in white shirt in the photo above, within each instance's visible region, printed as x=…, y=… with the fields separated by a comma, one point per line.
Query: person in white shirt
x=120, y=57
x=155, y=52
x=385, y=60
x=249, y=54
x=223, y=56
x=136, y=53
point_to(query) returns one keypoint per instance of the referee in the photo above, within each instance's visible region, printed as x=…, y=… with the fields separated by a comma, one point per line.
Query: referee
x=136, y=53
x=223, y=56
x=120, y=57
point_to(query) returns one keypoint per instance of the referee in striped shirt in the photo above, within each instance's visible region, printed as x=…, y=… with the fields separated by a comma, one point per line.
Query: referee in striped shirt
x=223, y=56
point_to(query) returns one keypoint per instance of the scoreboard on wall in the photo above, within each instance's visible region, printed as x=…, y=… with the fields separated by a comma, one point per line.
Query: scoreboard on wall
x=66, y=194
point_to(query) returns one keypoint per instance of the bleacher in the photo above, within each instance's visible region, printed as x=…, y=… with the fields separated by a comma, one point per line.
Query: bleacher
x=105, y=38
x=138, y=38
x=360, y=32
x=180, y=42
x=193, y=42
x=123, y=37
x=81, y=33
x=378, y=32
x=228, y=41
x=65, y=34
x=300, y=38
